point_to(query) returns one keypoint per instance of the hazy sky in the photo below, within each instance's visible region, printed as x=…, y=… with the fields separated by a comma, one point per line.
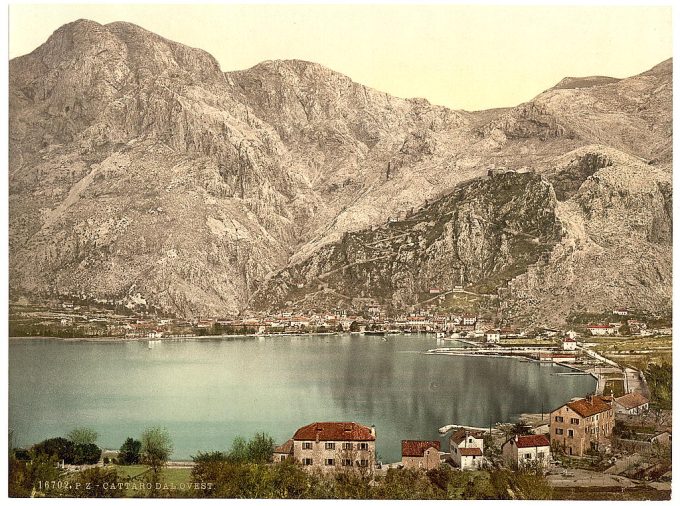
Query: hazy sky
x=460, y=56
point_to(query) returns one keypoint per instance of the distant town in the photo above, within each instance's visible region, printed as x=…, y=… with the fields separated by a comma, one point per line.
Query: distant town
x=616, y=438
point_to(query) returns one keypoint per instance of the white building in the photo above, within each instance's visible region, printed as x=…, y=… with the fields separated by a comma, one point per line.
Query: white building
x=569, y=344
x=601, y=330
x=467, y=449
x=493, y=336
x=632, y=403
x=524, y=451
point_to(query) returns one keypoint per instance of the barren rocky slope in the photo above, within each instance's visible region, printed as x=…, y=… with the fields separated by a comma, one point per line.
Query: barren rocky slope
x=140, y=171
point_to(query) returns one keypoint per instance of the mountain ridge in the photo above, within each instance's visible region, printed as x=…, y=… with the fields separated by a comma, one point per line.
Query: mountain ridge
x=257, y=170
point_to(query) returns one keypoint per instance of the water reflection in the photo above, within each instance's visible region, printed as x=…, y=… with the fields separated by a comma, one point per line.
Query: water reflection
x=207, y=392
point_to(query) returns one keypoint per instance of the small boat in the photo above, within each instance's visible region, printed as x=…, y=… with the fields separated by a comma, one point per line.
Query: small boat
x=441, y=335
x=383, y=339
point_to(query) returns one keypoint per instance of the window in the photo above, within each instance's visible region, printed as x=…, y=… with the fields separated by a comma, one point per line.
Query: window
x=540, y=455
x=559, y=432
x=347, y=462
x=330, y=446
x=574, y=421
x=329, y=462
x=470, y=440
x=347, y=446
x=570, y=433
x=283, y=457
x=559, y=419
x=306, y=446
x=306, y=462
x=363, y=446
x=527, y=456
x=363, y=463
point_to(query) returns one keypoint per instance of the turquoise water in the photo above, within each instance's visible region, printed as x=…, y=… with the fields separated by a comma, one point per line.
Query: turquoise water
x=209, y=391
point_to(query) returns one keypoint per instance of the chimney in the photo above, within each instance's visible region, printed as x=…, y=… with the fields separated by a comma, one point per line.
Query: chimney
x=373, y=430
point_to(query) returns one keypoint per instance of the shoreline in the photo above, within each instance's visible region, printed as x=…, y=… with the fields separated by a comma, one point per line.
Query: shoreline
x=110, y=339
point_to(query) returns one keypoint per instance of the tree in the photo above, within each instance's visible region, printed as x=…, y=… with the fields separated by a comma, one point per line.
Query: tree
x=156, y=447
x=130, y=452
x=88, y=453
x=260, y=448
x=59, y=447
x=83, y=436
x=239, y=450
x=28, y=479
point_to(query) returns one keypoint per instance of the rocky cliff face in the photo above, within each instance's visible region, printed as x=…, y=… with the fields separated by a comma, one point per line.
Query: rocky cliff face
x=139, y=170
x=481, y=235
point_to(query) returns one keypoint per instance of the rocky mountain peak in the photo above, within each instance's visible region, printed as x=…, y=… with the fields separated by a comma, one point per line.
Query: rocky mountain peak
x=140, y=171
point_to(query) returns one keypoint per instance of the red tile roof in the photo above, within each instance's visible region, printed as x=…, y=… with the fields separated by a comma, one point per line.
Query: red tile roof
x=459, y=436
x=411, y=448
x=470, y=452
x=589, y=406
x=531, y=441
x=334, y=431
x=286, y=447
x=632, y=400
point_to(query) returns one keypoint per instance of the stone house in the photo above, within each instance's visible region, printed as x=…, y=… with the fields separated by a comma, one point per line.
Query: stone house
x=420, y=454
x=467, y=449
x=582, y=425
x=332, y=446
x=632, y=403
x=283, y=452
x=523, y=451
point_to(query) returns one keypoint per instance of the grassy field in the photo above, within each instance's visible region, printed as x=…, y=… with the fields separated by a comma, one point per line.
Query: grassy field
x=610, y=494
x=635, y=352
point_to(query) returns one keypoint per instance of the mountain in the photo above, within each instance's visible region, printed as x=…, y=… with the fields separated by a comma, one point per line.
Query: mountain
x=141, y=172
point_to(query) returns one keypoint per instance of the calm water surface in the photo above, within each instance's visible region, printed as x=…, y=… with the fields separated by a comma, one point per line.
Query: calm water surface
x=209, y=391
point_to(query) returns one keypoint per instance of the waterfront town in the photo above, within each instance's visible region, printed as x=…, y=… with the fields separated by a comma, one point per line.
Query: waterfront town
x=617, y=438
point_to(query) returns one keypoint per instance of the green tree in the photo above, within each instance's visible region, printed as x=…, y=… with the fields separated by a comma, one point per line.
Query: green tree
x=59, y=447
x=239, y=450
x=260, y=448
x=27, y=479
x=156, y=448
x=130, y=452
x=83, y=436
x=88, y=453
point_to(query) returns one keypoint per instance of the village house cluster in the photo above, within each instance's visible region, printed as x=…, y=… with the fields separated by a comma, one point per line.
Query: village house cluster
x=577, y=428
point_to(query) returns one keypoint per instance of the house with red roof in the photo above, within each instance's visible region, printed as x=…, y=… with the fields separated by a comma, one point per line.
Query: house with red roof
x=583, y=425
x=334, y=446
x=283, y=452
x=467, y=449
x=420, y=454
x=569, y=344
x=633, y=403
x=525, y=451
